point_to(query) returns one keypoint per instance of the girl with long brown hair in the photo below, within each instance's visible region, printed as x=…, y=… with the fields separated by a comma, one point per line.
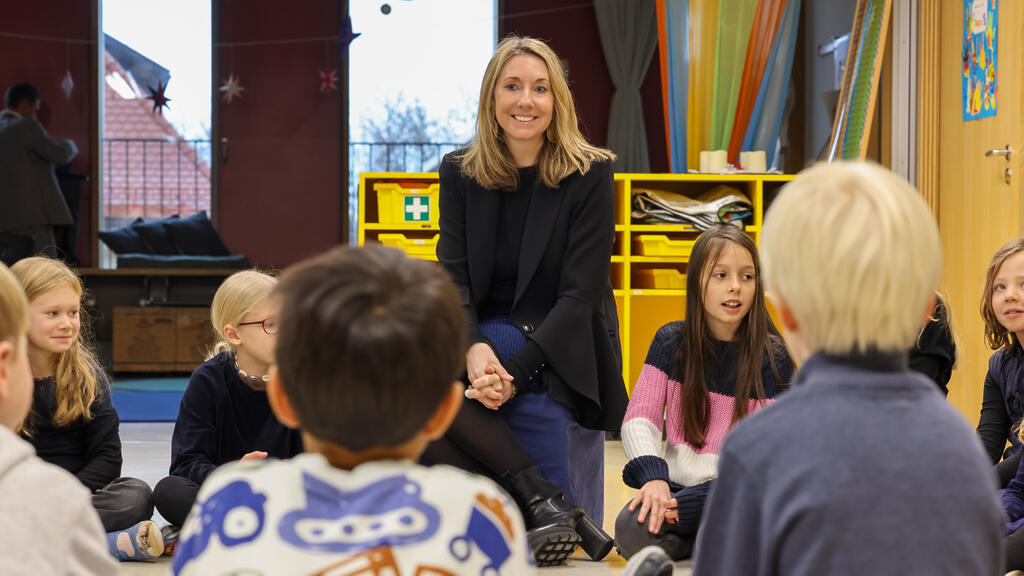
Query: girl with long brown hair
x=701, y=376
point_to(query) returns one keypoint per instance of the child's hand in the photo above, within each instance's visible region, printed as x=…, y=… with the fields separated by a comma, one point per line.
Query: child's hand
x=655, y=499
x=254, y=455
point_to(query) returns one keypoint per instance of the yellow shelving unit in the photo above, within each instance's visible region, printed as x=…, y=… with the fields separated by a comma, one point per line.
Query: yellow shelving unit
x=641, y=310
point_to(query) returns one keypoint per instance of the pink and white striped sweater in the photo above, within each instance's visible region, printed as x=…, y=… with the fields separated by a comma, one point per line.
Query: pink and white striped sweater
x=656, y=402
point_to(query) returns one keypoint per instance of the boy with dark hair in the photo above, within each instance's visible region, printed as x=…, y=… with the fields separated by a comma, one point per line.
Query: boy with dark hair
x=369, y=349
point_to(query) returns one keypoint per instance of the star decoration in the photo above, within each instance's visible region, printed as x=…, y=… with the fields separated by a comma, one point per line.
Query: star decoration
x=328, y=80
x=67, y=84
x=158, y=97
x=232, y=88
x=345, y=35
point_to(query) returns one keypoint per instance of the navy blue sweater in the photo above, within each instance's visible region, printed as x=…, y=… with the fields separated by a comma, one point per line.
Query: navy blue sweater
x=91, y=450
x=861, y=468
x=222, y=419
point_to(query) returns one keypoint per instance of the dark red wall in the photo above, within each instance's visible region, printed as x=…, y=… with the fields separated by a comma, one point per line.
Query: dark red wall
x=570, y=28
x=43, y=63
x=280, y=196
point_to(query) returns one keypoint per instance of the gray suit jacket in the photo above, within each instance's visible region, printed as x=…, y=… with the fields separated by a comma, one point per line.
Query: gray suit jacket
x=29, y=195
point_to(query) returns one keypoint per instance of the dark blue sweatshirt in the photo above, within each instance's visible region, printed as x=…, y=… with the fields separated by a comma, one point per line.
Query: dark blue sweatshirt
x=221, y=419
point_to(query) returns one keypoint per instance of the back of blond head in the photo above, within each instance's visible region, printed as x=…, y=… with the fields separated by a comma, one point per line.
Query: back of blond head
x=75, y=372
x=13, y=308
x=854, y=252
x=565, y=150
x=238, y=295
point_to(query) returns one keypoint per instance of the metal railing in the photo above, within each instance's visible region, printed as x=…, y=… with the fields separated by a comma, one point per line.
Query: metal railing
x=153, y=178
x=389, y=157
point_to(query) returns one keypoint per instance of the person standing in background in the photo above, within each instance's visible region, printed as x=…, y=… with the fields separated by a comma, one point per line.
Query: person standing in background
x=31, y=203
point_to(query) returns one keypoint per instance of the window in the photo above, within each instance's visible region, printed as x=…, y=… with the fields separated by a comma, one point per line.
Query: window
x=414, y=78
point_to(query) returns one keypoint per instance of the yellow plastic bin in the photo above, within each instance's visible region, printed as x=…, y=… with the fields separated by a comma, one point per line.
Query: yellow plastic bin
x=660, y=279
x=411, y=246
x=661, y=245
x=406, y=202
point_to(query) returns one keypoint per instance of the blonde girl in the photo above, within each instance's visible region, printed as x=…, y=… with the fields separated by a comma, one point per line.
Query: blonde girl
x=224, y=414
x=73, y=423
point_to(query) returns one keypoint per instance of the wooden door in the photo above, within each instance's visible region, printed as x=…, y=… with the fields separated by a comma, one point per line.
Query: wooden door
x=978, y=210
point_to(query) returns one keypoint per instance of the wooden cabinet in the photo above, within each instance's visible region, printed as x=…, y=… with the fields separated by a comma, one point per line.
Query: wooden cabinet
x=648, y=262
x=161, y=339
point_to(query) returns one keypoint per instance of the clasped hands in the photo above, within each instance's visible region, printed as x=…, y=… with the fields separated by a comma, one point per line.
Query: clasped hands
x=490, y=383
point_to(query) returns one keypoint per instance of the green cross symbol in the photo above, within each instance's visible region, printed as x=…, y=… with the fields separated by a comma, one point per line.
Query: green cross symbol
x=417, y=209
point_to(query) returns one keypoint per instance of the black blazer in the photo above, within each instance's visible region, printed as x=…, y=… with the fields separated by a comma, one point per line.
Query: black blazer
x=563, y=299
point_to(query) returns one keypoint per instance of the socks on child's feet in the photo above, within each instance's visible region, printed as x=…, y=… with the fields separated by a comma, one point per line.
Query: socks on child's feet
x=170, y=536
x=140, y=542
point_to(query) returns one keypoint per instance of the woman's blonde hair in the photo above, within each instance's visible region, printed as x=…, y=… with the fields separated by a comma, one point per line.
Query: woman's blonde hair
x=75, y=372
x=565, y=150
x=238, y=295
x=13, y=308
x=854, y=252
x=996, y=335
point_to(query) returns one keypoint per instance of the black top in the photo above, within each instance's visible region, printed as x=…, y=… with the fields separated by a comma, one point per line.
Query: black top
x=221, y=419
x=513, y=206
x=935, y=352
x=91, y=450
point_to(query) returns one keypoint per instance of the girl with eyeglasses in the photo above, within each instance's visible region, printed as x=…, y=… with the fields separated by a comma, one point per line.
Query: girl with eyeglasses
x=224, y=414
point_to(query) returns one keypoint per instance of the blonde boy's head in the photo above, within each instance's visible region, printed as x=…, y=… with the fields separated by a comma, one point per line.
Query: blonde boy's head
x=13, y=308
x=15, y=375
x=853, y=253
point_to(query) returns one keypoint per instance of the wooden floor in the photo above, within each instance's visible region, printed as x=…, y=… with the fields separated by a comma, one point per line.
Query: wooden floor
x=147, y=455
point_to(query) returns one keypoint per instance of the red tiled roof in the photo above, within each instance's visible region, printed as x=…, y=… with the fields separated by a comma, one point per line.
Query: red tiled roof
x=148, y=170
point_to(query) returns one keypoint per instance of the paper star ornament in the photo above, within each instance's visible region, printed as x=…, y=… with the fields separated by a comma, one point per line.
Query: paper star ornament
x=67, y=84
x=328, y=81
x=346, y=35
x=158, y=97
x=232, y=88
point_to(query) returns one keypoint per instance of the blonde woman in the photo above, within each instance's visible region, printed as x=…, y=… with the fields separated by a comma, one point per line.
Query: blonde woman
x=73, y=423
x=224, y=414
x=527, y=226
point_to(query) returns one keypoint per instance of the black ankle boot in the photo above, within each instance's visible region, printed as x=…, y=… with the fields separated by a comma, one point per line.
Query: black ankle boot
x=550, y=519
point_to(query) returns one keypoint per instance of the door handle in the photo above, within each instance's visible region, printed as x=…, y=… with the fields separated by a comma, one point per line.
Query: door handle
x=224, y=150
x=1005, y=152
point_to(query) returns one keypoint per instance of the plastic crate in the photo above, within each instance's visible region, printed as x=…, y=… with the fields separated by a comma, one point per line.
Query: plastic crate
x=410, y=202
x=661, y=245
x=412, y=246
x=660, y=279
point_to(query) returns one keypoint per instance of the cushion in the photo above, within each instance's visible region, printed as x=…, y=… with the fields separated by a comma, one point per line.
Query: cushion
x=181, y=261
x=195, y=235
x=125, y=240
x=156, y=236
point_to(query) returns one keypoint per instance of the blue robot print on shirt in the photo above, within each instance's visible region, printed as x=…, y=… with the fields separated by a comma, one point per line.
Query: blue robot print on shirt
x=388, y=512
x=235, y=513
x=490, y=531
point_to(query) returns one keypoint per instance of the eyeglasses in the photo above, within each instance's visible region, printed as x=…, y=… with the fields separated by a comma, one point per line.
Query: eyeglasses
x=269, y=325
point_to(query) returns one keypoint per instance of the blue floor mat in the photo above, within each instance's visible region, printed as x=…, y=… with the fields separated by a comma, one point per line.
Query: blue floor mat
x=148, y=400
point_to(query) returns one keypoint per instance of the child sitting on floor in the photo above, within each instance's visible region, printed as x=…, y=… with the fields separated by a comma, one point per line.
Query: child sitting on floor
x=48, y=522
x=73, y=423
x=701, y=376
x=862, y=467
x=224, y=414
x=370, y=346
